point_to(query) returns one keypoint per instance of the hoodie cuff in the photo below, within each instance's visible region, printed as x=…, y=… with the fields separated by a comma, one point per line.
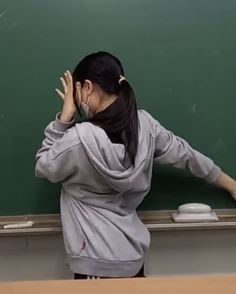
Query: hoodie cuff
x=62, y=126
x=213, y=176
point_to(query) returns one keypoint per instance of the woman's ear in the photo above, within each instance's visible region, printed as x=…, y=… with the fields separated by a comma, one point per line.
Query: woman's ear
x=88, y=87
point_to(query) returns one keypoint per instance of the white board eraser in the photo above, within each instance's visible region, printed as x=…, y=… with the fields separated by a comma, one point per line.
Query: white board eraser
x=194, y=208
x=194, y=212
x=20, y=225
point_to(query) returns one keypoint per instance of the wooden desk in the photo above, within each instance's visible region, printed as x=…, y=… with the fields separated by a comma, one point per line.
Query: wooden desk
x=165, y=285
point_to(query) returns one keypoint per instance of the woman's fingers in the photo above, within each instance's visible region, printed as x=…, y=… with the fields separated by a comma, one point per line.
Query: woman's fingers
x=69, y=76
x=69, y=80
x=66, y=78
x=60, y=94
x=64, y=84
x=67, y=83
x=66, y=75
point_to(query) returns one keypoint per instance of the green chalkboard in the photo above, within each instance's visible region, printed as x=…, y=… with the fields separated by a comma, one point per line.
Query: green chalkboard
x=180, y=56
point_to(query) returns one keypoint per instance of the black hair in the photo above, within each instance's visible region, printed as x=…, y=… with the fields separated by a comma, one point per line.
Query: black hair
x=120, y=119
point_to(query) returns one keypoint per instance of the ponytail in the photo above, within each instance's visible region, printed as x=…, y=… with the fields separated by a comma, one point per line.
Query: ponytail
x=120, y=119
x=129, y=134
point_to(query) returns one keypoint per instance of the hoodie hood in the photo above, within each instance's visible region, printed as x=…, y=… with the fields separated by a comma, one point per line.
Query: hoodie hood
x=108, y=158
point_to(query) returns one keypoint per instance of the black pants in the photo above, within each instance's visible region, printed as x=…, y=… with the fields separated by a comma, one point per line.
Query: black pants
x=140, y=274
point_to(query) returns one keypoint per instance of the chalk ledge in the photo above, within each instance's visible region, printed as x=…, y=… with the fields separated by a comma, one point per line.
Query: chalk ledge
x=47, y=224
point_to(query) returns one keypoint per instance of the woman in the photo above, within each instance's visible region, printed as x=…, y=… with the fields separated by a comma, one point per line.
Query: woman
x=105, y=166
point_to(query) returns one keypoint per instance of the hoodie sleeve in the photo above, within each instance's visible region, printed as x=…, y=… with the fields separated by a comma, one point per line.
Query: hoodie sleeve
x=54, y=160
x=173, y=150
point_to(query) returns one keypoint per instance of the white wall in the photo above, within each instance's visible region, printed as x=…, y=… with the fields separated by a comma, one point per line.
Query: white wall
x=171, y=253
x=192, y=252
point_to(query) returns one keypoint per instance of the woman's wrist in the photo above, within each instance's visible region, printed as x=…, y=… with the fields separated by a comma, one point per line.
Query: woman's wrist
x=226, y=182
x=66, y=116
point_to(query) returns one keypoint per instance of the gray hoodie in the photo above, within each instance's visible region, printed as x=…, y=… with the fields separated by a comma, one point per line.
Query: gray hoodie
x=103, y=235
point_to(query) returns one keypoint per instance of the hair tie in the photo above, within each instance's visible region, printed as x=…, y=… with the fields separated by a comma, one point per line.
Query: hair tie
x=122, y=78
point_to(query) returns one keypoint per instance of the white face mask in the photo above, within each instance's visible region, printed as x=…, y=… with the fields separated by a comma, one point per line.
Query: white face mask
x=85, y=108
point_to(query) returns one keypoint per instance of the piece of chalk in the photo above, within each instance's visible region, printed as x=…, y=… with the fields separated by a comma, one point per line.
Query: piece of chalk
x=19, y=225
